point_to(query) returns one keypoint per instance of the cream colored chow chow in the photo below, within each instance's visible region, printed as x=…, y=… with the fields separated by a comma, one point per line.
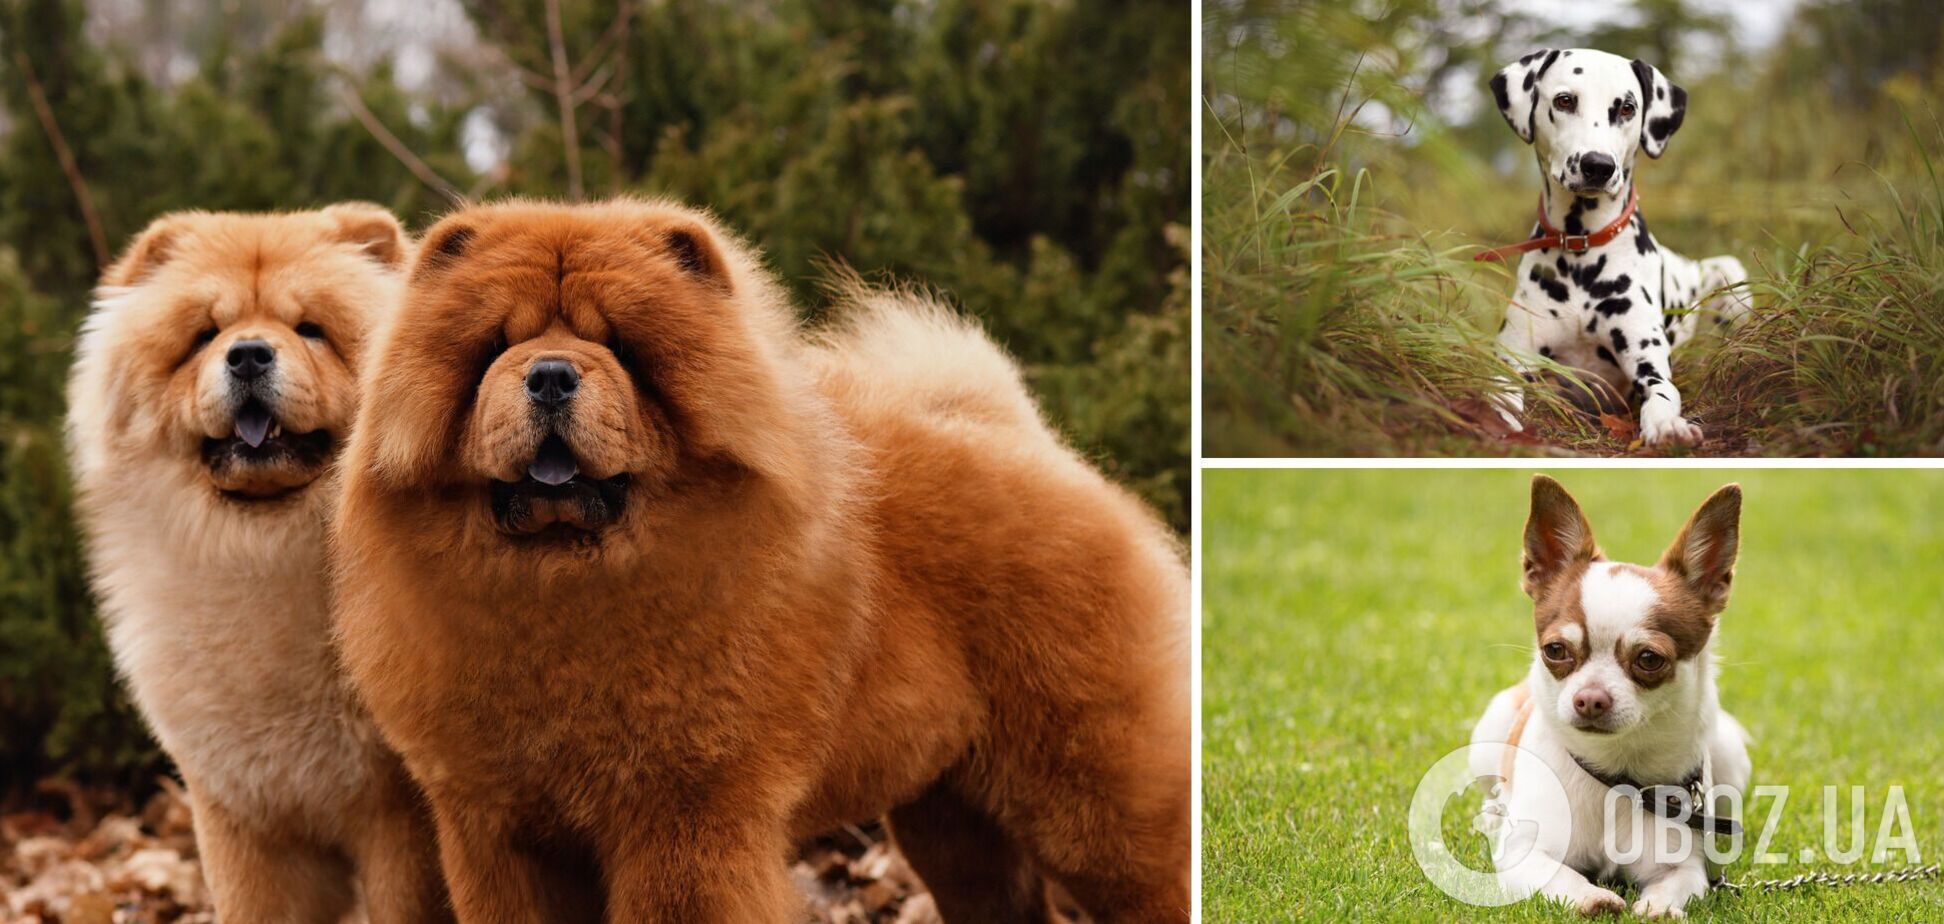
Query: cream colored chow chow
x=213, y=383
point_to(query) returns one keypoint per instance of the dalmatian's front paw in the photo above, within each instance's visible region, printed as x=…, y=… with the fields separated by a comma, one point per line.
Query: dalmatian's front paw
x=1668, y=429
x=1512, y=424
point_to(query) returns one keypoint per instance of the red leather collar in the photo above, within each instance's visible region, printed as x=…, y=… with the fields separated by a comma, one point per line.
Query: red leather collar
x=1571, y=243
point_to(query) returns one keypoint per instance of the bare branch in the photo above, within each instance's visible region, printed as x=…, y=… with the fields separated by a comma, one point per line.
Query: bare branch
x=623, y=11
x=612, y=100
x=531, y=79
x=65, y=156
x=412, y=161
x=487, y=183
x=592, y=88
x=564, y=99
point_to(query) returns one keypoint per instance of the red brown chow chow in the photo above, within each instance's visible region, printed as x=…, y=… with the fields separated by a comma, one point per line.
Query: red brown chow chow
x=646, y=585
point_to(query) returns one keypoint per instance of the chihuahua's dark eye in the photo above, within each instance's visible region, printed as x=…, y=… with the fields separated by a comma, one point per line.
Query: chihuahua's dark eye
x=310, y=330
x=1566, y=102
x=1649, y=660
x=1555, y=651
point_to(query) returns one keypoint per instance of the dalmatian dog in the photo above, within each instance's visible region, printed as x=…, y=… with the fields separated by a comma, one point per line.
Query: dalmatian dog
x=1596, y=292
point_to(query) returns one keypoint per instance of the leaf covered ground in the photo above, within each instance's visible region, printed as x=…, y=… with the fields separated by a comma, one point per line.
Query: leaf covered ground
x=76, y=857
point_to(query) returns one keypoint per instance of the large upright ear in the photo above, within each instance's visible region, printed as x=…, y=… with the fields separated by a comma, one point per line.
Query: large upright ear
x=1662, y=107
x=1703, y=555
x=1557, y=536
x=372, y=228
x=1515, y=89
x=151, y=248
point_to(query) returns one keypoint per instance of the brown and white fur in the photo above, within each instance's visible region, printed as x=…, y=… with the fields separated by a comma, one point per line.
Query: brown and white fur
x=1622, y=677
x=212, y=382
x=646, y=585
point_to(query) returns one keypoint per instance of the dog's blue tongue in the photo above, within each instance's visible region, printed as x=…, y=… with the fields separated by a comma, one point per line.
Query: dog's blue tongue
x=554, y=464
x=252, y=423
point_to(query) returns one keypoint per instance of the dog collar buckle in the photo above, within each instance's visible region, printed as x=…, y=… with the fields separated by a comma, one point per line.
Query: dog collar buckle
x=1684, y=802
x=1577, y=243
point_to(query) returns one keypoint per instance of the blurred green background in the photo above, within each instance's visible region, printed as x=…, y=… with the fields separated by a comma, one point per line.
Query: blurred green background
x=1355, y=624
x=1026, y=158
x=1354, y=162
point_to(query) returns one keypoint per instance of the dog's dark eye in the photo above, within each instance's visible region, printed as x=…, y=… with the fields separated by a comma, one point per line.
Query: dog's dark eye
x=1649, y=660
x=1555, y=651
x=1566, y=102
x=1626, y=110
x=491, y=351
x=308, y=329
x=631, y=364
x=202, y=338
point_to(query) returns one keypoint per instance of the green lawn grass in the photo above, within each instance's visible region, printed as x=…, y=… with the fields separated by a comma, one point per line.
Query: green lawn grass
x=1356, y=622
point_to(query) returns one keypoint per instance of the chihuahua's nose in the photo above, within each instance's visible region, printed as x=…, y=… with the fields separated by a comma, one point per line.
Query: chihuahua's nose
x=1592, y=703
x=1597, y=168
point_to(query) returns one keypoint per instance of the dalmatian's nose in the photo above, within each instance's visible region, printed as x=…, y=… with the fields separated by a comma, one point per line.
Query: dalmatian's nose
x=1596, y=169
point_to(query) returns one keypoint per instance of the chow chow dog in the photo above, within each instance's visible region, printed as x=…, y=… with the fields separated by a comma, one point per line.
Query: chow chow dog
x=645, y=585
x=213, y=382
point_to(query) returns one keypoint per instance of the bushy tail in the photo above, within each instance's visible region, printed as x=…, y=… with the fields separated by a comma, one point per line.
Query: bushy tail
x=901, y=350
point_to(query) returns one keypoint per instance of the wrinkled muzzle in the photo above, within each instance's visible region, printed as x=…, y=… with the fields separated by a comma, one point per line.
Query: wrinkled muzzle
x=265, y=414
x=558, y=432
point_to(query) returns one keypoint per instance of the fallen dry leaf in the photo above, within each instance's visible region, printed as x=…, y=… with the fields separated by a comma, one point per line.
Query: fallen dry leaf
x=1620, y=428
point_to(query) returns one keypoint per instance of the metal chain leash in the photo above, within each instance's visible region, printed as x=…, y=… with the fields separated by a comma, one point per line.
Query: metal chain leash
x=1907, y=874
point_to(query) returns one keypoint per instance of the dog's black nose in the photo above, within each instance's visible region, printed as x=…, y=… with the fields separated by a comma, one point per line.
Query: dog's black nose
x=1597, y=168
x=551, y=382
x=250, y=359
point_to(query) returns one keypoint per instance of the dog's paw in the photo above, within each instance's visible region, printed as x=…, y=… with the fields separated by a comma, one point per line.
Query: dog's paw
x=1600, y=901
x=1650, y=907
x=1665, y=431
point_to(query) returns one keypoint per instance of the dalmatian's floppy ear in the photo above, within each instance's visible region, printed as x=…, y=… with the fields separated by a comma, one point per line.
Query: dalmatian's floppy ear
x=1515, y=89
x=1663, y=106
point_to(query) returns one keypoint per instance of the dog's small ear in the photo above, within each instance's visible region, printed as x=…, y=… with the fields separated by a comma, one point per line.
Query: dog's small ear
x=1557, y=536
x=692, y=245
x=372, y=228
x=1662, y=108
x=150, y=249
x=443, y=245
x=1703, y=555
x=1515, y=88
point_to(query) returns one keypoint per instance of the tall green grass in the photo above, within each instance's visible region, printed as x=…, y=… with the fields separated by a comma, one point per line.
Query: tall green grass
x=1344, y=316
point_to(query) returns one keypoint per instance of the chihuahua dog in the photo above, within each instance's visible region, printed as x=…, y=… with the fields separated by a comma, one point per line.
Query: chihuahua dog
x=1620, y=708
